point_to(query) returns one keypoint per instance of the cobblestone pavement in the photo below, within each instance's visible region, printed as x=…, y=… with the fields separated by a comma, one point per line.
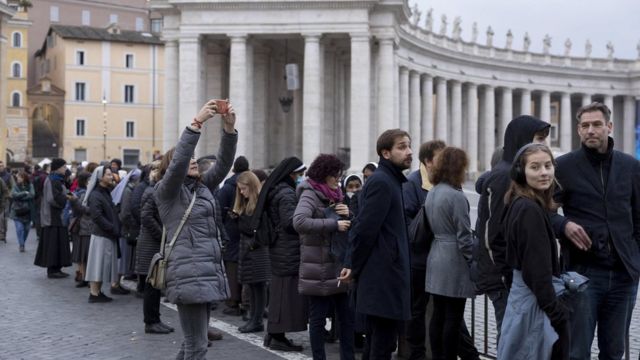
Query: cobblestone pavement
x=49, y=319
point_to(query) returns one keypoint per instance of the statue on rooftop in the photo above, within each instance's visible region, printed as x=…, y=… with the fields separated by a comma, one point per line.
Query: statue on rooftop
x=443, y=25
x=428, y=23
x=587, y=48
x=490, y=34
x=546, y=44
x=474, y=32
x=509, y=40
x=567, y=47
x=415, y=15
x=610, y=50
x=526, y=43
x=457, y=28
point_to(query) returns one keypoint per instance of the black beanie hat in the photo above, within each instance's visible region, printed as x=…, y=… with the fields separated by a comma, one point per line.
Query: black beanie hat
x=240, y=165
x=57, y=163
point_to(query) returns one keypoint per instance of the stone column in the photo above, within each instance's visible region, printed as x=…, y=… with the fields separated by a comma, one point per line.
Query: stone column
x=171, y=118
x=565, y=122
x=189, y=81
x=472, y=124
x=260, y=107
x=456, y=113
x=506, y=113
x=385, y=68
x=525, y=102
x=441, y=109
x=608, y=100
x=629, y=125
x=545, y=106
x=586, y=99
x=360, y=94
x=312, y=98
x=414, y=114
x=404, y=98
x=427, y=109
x=489, y=126
x=238, y=90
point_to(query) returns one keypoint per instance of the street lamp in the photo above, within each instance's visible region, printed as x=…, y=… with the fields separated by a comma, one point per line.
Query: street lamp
x=104, y=129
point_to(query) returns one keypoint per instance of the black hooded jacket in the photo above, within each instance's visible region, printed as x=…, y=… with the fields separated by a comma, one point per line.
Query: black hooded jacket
x=494, y=272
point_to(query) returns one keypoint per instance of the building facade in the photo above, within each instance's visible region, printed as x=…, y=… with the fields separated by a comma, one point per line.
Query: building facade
x=6, y=13
x=16, y=115
x=101, y=96
x=128, y=14
x=367, y=66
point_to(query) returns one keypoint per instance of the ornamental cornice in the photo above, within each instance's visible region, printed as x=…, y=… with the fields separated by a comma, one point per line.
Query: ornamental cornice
x=499, y=57
x=263, y=4
x=467, y=58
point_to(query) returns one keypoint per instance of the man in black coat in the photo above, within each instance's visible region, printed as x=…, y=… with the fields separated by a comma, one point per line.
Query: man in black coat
x=600, y=233
x=380, y=256
x=494, y=275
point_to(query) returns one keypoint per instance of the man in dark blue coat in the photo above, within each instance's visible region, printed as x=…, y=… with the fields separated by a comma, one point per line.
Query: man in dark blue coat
x=380, y=257
x=600, y=233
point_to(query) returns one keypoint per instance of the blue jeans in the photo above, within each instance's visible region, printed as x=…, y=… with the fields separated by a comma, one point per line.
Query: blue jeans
x=22, y=230
x=318, y=312
x=607, y=302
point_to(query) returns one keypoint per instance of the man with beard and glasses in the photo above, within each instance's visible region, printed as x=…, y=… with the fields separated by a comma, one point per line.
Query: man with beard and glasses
x=380, y=256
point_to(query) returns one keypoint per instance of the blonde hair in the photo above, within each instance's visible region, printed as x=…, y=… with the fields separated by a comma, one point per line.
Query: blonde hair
x=247, y=205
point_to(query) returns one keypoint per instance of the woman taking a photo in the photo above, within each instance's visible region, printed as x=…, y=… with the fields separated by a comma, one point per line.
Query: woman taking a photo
x=253, y=258
x=195, y=275
x=319, y=216
x=22, y=196
x=448, y=277
x=532, y=252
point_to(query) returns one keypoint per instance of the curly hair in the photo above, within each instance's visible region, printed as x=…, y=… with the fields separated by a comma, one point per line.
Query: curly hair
x=450, y=167
x=325, y=165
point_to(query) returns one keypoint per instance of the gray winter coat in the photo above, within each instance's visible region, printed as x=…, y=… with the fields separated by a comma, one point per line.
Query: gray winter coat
x=150, y=231
x=318, y=268
x=451, y=251
x=195, y=272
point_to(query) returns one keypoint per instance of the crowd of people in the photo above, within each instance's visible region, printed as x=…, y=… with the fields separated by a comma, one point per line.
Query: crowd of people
x=302, y=244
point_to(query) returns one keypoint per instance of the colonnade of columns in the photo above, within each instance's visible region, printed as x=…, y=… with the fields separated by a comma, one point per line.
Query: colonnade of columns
x=463, y=113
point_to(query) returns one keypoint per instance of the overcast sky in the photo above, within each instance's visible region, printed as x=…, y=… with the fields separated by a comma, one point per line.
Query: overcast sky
x=600, y=21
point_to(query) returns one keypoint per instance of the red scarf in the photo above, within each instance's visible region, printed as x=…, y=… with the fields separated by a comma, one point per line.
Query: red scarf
x=334, y=195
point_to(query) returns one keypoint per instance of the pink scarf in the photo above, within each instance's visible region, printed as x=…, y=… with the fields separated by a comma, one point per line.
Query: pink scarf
x=334, y=196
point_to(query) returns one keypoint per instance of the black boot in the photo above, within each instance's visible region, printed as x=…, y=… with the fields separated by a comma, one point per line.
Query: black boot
x=258, y=298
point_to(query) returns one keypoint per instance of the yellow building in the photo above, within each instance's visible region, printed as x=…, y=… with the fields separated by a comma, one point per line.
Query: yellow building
x=111, y=82
x=15, y=67
x=6, y=13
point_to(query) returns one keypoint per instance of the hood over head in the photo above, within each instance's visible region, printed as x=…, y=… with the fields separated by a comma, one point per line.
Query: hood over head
x=520, y=132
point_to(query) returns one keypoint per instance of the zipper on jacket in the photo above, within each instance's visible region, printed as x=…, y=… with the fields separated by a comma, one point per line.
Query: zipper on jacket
x=604, y=190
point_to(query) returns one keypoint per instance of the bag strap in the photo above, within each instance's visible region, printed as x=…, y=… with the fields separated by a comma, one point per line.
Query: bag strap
x=175, y=235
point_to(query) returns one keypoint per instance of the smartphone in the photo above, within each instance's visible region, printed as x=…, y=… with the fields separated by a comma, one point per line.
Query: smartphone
x=222, y=105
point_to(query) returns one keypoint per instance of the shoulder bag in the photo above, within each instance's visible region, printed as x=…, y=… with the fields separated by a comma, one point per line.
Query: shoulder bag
x=158, y=265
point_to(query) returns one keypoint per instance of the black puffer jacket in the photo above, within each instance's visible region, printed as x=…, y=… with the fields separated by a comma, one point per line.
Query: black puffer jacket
x=150, y=231
x=103, y=214
x=285, y=250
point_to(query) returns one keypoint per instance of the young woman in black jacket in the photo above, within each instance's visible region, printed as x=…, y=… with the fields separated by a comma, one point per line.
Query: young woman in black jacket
x=532, y=253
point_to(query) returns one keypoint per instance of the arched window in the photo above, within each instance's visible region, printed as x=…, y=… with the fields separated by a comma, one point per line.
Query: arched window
x=17, y=39
x=15, y=99
x=16, y=70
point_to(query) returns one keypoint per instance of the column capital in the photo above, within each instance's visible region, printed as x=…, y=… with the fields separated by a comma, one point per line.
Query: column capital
x=404, y=69
x=455, y=82
x=189, y=39
x=360, y=36
x=414, y=74
x=312, y=37
x=238, y=37
x=472, y=86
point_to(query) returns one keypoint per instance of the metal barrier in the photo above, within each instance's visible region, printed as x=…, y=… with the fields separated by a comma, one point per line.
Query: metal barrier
x=484, y=351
